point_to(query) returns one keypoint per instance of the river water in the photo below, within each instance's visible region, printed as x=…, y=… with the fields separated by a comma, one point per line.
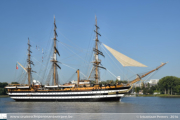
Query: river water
x=126, y=105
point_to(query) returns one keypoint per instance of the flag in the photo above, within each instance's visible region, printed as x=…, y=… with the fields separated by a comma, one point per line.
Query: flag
x=42, y=51
x=16, y=66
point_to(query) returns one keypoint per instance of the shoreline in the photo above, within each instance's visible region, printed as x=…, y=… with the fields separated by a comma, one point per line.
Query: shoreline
x=160, y=95
x=4, y=96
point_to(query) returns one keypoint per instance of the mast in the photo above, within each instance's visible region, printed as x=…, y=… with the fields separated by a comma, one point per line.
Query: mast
x=55, y=65
x=29, y=63
x=97, y=61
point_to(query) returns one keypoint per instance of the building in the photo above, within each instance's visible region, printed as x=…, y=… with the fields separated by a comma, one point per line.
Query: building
x=155, y=93
x=154, y=81
x=118, y=78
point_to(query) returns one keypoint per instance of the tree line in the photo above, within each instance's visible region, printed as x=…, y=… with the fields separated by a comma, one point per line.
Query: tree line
x=110, y=82
x=169, y=85
x=147, y=89
x=166, y=85
x=3, y=91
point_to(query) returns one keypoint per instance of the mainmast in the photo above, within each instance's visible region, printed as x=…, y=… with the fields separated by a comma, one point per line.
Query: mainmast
x=55, y=65
x=29, y=63
x=97, y=61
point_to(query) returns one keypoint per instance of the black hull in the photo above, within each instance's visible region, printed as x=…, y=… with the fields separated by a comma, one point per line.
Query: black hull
x=70, y=100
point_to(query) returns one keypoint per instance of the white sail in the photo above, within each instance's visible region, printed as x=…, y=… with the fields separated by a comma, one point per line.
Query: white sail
x=123, y=59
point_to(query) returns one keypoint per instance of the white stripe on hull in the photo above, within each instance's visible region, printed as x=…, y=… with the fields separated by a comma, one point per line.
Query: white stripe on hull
x=71, y=97
x=64, y=93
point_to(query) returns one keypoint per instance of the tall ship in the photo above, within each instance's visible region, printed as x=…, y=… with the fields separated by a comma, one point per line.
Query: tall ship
x=77, y=91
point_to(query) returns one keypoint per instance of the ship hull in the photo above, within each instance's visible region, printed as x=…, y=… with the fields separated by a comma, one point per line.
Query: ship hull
x=69, y=96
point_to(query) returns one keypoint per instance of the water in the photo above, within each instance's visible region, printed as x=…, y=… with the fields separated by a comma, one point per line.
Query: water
x=127, y=105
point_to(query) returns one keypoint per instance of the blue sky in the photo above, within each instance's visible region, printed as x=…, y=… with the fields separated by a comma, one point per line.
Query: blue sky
x=147, y=31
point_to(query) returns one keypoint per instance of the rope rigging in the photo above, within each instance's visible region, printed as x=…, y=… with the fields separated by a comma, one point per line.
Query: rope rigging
x=74, y=52
x=70, y=42
x=72, y=76
x=74, y=69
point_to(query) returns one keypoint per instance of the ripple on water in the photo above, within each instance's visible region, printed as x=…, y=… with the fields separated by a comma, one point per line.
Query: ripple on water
x=127, y=105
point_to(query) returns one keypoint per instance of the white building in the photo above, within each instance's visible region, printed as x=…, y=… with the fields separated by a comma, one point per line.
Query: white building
x=137, y=85
x=153, y=81
x=155, y=93
x=118, y=78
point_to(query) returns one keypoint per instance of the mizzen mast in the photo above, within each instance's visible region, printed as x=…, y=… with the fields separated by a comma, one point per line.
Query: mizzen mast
x=97, y=61
x=55, y=65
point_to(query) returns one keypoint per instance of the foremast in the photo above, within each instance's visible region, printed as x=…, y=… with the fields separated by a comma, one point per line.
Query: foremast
x=97, y=61
x=55, y=65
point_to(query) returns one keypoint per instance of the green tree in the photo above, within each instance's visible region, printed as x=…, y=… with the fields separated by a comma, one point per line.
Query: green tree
x=116, y=81
x=150, y=91
x=14, y=83
x=145, y=91
x=148, y=85
x=2, y=85
x=137, y=89
x=123, y=81
x=177, y=89
x=92, y=82
x=168, y=84
x=142, y=85
x=103, y=82
x=108, y=81
x=3, y=91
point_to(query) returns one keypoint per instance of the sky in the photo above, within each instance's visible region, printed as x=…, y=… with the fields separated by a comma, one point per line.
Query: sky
x=147, y=31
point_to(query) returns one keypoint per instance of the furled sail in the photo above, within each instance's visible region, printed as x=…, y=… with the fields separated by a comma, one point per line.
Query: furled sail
x=123, y=59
